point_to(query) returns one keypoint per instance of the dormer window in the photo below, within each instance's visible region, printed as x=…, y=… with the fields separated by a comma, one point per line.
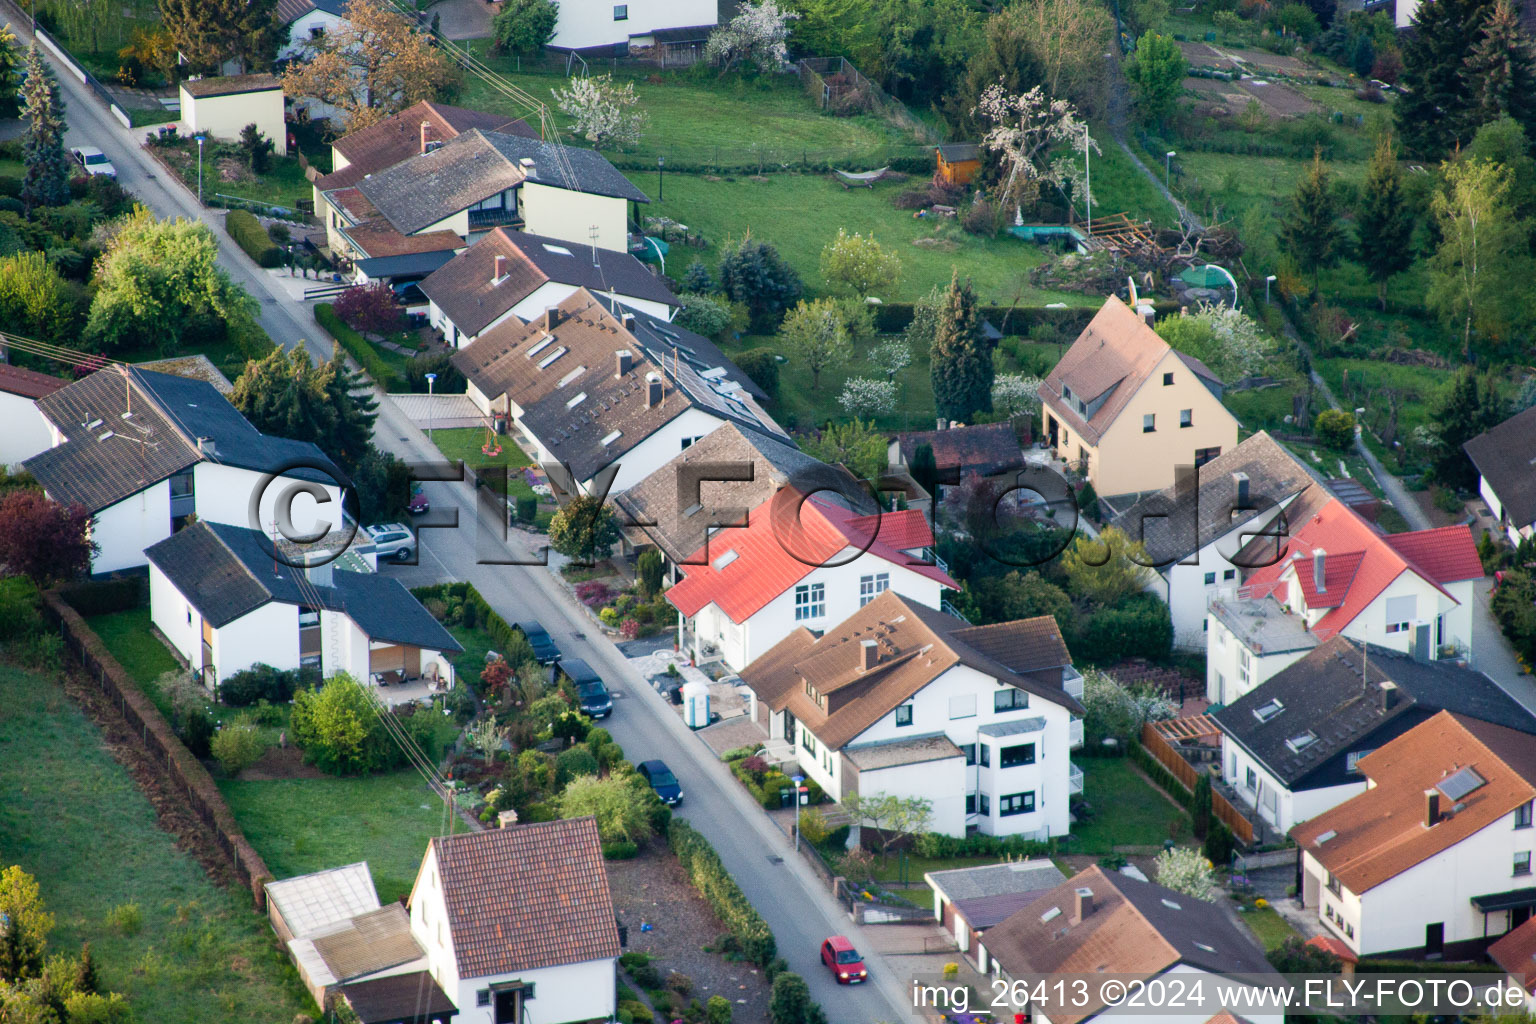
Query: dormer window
x=1066, y=394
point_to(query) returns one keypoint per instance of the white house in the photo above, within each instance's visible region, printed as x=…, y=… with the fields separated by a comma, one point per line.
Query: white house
x=1504, y=456
x=26, y=428
x=797, y=563
x=904, y=700
x=1202, y=533
x=308, y=21
x=143, y=451
x=1410, y=592
x=1291, y=747
x=511, y=273
x=606, y=390
x=518, y=923
x=224, y=602
x=639, y=24
x=1434, y=858
x=1101, y=922
x=221, y=107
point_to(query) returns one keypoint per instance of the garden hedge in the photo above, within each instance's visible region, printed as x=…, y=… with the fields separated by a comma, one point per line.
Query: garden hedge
x=101, y=597
x=246, y=230
x=893, y=317
x=358, y=348
x=720, y=890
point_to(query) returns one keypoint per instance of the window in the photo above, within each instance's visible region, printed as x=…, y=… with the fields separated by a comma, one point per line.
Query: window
x=871, y=587
x=808, y=741
x=1210, y=578
x=969, y=750
x=1167, y=380
x=1066, y=393
x=1245, y=679
x=1204, y=455
x=1012, y=757
x=1523, y=862
x=986, y=754
x=1301, y=742
x=1186, y=417
x=985, y=803
x=970, y=803
x=483, y=997
x=1010, y=698
x=621, y=12
x=903, y=715
x=1352, y=760
x=962, y=706
x=826, y=760
x=1018, y=803
x=1149, y=423
x=1523, y=815
x=1334, y=885
x=1349, y=929
x=189, y=615
x=1397, y=627
x=810, y=601
x=1228, y=574
x=1251, y=780
x=1328, y=911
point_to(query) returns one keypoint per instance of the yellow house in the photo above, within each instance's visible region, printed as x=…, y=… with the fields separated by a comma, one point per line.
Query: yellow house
x=1126, y=409
x=221, y=107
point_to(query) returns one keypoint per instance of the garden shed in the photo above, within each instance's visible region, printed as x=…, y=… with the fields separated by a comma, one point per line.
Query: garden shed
x=958, y=162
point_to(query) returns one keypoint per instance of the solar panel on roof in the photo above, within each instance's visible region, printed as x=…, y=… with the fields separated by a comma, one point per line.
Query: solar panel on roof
x=1460, y=783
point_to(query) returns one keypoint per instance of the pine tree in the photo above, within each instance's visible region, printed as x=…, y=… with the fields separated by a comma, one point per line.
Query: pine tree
x=961, y=357
x=47, y=179
x=357, y=409
x=1310, y=232
x=1385, y=223
x=85, y=972
x=1466, y=412
x=1434, y=108
x=1500, y=72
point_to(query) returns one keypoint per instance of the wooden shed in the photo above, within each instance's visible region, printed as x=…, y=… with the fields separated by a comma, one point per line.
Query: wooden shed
x=958, y=162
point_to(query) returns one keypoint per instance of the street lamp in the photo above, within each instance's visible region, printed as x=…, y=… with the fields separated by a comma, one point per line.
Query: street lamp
x=200, y=170
x=1267, y=282
x=661, y=162
x=431, y=406
x=1088, y=174
x=1168, y=168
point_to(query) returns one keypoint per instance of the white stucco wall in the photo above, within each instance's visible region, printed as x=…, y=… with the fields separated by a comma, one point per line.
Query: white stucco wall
x=222, y=117
x=1279, y=806
x=224, y=493
x=343, y=646
x=25, y=431
x=585, y=23
x=570, y=216
x=174, y=616
x=658, y=449
x=269, y=636
x=299, y=33
x=1223, y=683
x=941, y=783
x=124, y=530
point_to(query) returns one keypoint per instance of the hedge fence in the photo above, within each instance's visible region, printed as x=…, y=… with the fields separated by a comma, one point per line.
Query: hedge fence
x=893, y=317
x=246, y=230
x=720, y=890
x=358, y=348
x=203, y=796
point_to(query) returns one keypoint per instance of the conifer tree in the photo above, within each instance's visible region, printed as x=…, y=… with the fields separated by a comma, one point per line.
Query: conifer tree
x=1500, y=72
x=1434, y=108
x=47, y=179
x=961, y=356
x=1310, y=232
x=1384, y=220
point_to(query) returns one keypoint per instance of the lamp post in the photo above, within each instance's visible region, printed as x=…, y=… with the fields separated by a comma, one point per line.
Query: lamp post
x=1168, y=168
x=431, y=407
x=661, y=193
x=1267, y=281
x=200, y=170
x=1088, y=175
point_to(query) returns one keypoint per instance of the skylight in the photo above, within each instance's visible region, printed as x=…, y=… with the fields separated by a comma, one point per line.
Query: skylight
x=1208, y=949
x=558, y=250
x=94, y=423
x=692, y=510
x=1460, y=783
x=1264, y=712
x=1050, y=915
x=1171, y=905
x=556, y=354
x=542, y=344
x=571, y=376
x=1324, y=837
x=612, y=438
x=1301, y=742
x=726, y=559
x=576, y=400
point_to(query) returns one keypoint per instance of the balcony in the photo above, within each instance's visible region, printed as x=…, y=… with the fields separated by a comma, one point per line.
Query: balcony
x=948, y=608
x=1075, y=733
x=931, y=554
x=484, y=220
x=1072, y=682
x=1075, y=779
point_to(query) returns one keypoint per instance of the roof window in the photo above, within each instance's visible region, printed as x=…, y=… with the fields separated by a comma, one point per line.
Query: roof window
x=558, y=250
x=1460, y=783
x=1050, y=915
x=556, y=354
x=576, y=400
x=542, y=344
x=1302, y=741
x=612, y=438
x=726, y=559
x=1264, y=712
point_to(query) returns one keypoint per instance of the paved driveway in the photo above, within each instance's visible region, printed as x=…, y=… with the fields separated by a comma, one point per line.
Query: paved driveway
x=463, y=19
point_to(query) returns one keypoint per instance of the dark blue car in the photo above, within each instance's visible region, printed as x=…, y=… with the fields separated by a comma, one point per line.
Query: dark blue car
x=591, y=693
x=662, y=781
x=544, y=648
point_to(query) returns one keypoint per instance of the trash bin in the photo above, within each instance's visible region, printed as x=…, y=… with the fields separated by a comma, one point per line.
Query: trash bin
x=787, y=796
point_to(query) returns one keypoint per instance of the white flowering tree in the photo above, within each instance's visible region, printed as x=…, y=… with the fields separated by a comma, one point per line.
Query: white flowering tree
x=865, y=396
x=1037, y=139
x=755, y=36
x=1230, y=342
x=1185, y=870
x=1015, y=393
x=602, y=111
x=1115, y=711
x=891, y=357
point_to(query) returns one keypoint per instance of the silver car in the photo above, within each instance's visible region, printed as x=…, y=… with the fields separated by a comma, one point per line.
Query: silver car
x=94, y=161
x=392, y=540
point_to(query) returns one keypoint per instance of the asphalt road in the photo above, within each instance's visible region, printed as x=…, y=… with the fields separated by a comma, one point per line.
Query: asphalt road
x=785, y=891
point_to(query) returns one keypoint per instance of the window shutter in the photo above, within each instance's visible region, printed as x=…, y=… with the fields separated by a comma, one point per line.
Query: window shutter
x=1401, y=609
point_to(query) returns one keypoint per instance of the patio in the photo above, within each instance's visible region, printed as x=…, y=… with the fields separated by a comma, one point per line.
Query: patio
x=407, y=691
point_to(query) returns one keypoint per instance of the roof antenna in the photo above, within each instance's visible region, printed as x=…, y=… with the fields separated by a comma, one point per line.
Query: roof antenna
x=592, y=234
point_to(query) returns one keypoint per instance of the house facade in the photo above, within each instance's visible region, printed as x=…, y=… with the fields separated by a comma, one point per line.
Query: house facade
x=1434, y=858
x=308, y=21
x=968, y=901
x=221, y=107
x=1125, y=409
x=26, y=428
x=1503, y=457
x=598, y=24
x=1408, y=592
x=903, y=700
x=518, y=924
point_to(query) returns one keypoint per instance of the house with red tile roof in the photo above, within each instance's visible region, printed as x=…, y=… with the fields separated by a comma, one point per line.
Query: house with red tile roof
x=797, y=562
x=1516, y=953
x=518, y=923
x=26, y=429
x=1434, y=857
x=1338, y=574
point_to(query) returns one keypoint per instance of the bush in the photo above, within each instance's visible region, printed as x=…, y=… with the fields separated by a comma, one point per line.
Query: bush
x=621, y=850
x=102, y=597
x=20, y=604
x=762, y=366
x=648, y=573
x=708, y=875
x=572, y=763
x=1139, y=627
x=527, y=508
x=939, y=846
x=246, y=230
x=236, y=747
x=196, y=732
x=357, y=347
x=704, y=315
x=259, y=682
x=753, y=273
x=126, y=919
x=449, y=380
x=370, y=308
x=717, y=1010
x=1334, y=428
x=980, y=218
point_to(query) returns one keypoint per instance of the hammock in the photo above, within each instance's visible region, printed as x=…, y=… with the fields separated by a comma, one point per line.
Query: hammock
x=865, y=178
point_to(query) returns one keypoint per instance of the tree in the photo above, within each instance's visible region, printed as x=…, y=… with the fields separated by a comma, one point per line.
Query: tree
x=255, y=149
x=604, y=112
x=522, y=28
x=370, y=308
x=702, y=314
x=1200, y=806
x=1483, y=255
x=1024, y=596
x=46, y=182
x=891, y=356
x=332, y=725
x=616, y=803
x=210, y=32
x=584, y=530
x=961, y=358
x=43, y=539
x=10, y=64
x=485, y=735
x=1434, y=109
x=376, y=63
x=1105, y=570
x=859, y=264
x=1058, y=45
x=813, y=332
x=1036, y=139
x=762, y=367
x=25, y=927
x=1156, y=70
x=754, y=274
x=1384, y=221
x=925, y=469
x=1310, y=232
x=755, y=36
x=856, y=445
x=1466, y=411
x=1500, y=72
x=1503, y=141
x=697, y=279
x=891, y=816
x=866, y=396
x=648, y=573
x=790, y=1000
x=1185, y=870
x=1227, y=340
x=1016, y=394
x=34, y=300
x=286, y=395
x=1335, y=428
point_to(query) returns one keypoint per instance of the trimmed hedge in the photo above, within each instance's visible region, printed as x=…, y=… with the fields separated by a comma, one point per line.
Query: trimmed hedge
x=358, y=348
x=720, y=890
x=246, y=230
x=893, y=317
x=101, y=597
x=940, y=846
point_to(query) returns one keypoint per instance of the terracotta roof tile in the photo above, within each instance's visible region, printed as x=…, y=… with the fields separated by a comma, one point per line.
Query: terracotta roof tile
x=1516, y=953
x=372, y=149
x=17, y=380
x=377, y=240
x=1444, y=555
x=1329, y=944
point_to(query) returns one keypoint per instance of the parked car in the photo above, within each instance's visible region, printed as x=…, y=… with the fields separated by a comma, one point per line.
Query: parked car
x=661, y=779
x=392, y=540
x=94, y=161
x=418, y=504
x=544, y=648
x=843, y=961
x=591, y=692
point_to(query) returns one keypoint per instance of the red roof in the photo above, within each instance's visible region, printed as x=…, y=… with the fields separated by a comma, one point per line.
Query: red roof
x=1516, y=953
x=1445, y=555
x=1329, y=944
x=16, y=380
x=1360, y=562
x=785, y=538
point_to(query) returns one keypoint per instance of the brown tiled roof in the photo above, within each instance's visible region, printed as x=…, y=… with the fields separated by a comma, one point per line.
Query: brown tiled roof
x=379, y=146
x=376, y=239
x=985, y=447
x=17, y=380
x=527, y=896
x=916, y=645
x=1117, y=350
x=1516, y=953
x=354, y=204
x=230, y=85
x=1382, y=832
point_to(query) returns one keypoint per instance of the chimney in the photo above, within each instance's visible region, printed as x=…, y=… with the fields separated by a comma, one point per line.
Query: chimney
x=551, y=319
x=1084, y=904
x=426, y=133
x=207, y=447
x=629, y=322
x=1431, y=807
x=652, y=392
x=501, y=269
x=1388, y=695
x=625, y=360
x=527, y=165
x=319, y=575
x=1241, y=481
x=869, y=655
x=942, y=423
x=1147, y=313
x=1319, y=565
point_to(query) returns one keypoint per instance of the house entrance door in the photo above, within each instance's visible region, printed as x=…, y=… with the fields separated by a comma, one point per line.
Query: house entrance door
x=1434, y=939
x=789, y=727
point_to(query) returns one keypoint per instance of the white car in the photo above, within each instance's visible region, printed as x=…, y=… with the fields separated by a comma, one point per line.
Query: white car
x=392, y=540
x=94, y=161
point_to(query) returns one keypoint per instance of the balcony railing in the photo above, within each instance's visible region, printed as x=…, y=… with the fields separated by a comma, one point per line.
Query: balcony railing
x=1075, y=733
x=932, y=555
x=1075, y=780
x=494, y=218
x=1072, y=682
x=949, y=609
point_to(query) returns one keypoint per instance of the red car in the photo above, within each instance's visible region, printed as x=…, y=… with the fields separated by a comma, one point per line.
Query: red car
x=843, y=961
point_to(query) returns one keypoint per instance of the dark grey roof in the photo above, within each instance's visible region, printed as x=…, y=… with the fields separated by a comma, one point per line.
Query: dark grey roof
x=1505, y=455
x=988, y=894
x=1327, y=695
x=590, y=170
x=953, y=151
x=413, y=997
x=1001, y=729
x=983, y=912
x=226, y=572
x=404, y=264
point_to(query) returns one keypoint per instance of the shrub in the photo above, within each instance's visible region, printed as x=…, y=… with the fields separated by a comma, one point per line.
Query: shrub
x=753, y=273
x=238, y=746
x=370, y=308
x=449, y=379
x=246, y=230
x=126, y=919
x=704, y=315
x=527, y=508
x=572, y=763
x=762, y=366
x=621, y=850
x=717, y=1010
x=980, y=218
x=1334, y=428
x=1139, y=627
x=708, y=875
x=648, y=572
x=593, y=593
x=196, y=732
x=19, y=608
x=357, y=347
x=790, y=1001
x=259, y=682
x=629, y=629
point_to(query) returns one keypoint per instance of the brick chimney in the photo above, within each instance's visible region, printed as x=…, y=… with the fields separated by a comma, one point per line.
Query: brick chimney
x=652, y=392
x=426, y=135
x=1319, y=570
x=624, y=361
x=1240, y=481
x=501, y=269
x=1084, y=905
x=1431, y=807
x=629, y=322
x=551, y=319
x=869, y=655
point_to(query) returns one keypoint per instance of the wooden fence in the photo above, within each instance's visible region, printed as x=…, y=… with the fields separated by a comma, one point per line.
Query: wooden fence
x=202, y=795
x=1180, y=769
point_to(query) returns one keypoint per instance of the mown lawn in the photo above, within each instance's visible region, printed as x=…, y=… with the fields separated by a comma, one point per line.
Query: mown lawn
x=1268, y=927
x=127, y=635
x=1128, y=810
x=74, y=818
x=466, y=442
